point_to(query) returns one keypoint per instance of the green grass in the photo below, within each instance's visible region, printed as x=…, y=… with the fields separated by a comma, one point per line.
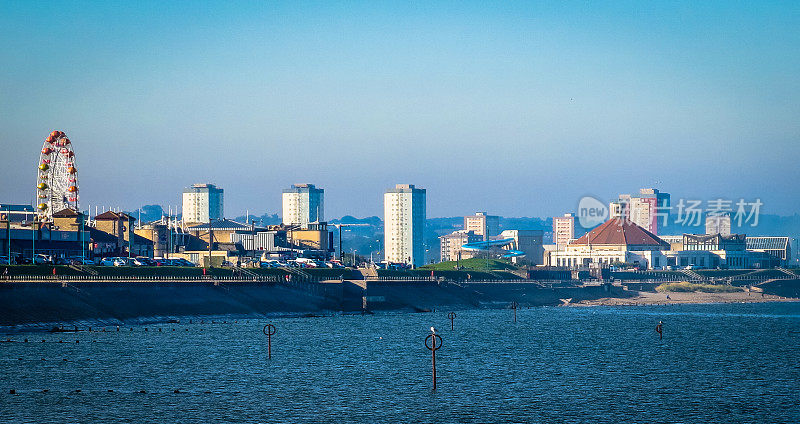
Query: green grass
x=474, y=264
x=463, y=275
x=685, y=286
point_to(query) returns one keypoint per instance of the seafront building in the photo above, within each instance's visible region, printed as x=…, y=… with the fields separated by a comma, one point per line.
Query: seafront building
x=563, y=230
x=202, y=203
x=482, y=224
x=303, y=204
x=615, y=241
x=404, y=211
x=619, y=241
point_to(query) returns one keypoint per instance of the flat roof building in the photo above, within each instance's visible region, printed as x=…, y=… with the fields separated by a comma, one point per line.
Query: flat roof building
x=644, y=209
x=483, y=224
x=450, y=245
x=202, y=203
x=404, y=211
x=303, y=204
x=718, y=224
x=563, y=230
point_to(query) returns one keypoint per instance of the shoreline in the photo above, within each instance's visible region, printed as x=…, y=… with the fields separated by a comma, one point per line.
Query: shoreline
x=684, y=298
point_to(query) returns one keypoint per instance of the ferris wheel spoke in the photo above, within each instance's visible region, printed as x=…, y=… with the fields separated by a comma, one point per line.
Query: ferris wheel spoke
x=57, y=184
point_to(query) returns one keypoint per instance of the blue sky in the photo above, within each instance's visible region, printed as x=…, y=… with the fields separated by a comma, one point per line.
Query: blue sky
x=514, y=108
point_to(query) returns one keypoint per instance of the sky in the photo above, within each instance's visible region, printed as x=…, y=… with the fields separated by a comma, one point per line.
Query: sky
x=516, y=108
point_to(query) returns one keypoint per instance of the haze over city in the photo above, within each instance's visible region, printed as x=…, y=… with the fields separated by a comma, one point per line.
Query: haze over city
x=517, y=108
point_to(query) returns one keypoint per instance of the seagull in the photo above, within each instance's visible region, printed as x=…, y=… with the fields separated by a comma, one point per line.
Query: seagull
x=433, y=330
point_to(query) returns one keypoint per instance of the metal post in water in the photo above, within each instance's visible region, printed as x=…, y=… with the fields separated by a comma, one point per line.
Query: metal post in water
x=514, y=307
x=451, y=316
x=269, y=330
x=660, y=330
x=433, y=347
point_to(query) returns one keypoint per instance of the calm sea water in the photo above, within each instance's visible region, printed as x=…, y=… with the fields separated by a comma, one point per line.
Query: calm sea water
x=716, y=364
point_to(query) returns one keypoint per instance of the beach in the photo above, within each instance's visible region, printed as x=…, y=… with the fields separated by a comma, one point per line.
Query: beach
x=676, y=298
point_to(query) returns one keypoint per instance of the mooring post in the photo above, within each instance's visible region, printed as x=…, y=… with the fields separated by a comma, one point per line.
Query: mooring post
x=269, y=330
x=514, y=307
x=433, y=347
x=452, y=316
x=659, y=330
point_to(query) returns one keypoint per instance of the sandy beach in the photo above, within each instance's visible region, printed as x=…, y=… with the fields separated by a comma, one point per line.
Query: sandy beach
x=674, y=298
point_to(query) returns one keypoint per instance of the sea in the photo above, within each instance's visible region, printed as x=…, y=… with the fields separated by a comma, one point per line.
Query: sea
x=716, y=363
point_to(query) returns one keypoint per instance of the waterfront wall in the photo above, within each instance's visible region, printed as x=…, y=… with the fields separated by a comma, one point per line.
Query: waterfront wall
x=27, y=303
x=429, y=295
x=109, y=303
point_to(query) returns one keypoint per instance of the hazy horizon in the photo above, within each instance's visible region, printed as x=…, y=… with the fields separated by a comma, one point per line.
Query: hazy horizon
x=517, y=109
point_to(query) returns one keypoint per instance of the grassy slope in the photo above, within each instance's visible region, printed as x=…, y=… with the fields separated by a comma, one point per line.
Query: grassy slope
x=474, y=264
x=685, y=286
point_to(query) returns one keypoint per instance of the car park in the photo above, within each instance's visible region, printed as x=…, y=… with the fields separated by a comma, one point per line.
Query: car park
x=40, y=259
x=80, y=261
x=106, y=262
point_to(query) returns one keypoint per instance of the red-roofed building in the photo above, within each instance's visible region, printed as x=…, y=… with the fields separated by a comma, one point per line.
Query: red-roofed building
x=617, y=240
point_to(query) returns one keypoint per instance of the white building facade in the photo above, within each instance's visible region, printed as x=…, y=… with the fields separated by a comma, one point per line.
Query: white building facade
x=203, y=203
x=303, y=204
x=563, y=230
x=404, y=211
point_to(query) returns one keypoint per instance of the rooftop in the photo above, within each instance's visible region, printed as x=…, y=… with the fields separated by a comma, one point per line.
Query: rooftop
x=621, y=232
x=767, y=243
x=222, y=224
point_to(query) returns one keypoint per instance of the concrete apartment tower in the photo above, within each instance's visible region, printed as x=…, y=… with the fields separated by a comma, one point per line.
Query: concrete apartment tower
x=303, y=204
x=718, y=224
x=563, y=230
x=482, y=224
x=404, y=225
x=646, y=209
x=202, y=202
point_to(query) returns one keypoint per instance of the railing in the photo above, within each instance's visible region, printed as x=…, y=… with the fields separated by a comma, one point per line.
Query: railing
x=401, y=278
x=134, y=278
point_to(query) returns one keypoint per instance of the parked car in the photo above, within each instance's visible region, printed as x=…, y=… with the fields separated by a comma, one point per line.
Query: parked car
x=80, y=261
x=41, y=259
x=114, y=261
x=178, y=262
x=106, y=262
x=60, y=261
x=142, y=261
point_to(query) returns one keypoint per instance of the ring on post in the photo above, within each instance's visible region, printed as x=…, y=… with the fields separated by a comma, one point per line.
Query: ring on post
x=451, y=315
x=268, y=330
x=437, y=344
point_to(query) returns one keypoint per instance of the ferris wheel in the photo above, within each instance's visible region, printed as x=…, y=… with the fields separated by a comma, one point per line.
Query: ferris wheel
x=57, y=186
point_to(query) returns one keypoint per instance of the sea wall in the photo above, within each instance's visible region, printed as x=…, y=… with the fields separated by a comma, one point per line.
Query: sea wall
x=107, y=303
x=25, y=303
x=784, y=288
x=428, y=295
